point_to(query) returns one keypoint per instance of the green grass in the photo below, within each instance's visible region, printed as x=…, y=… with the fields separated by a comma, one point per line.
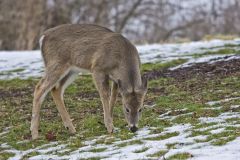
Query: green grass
x=164, y=136
x=180, y=156
x=223, y=137
x=12, y=71
x=157, y=130
x=220, y=36
x=97, y=150
x=5, y=155
x=153, y=66
x=203, y=125
x=17, y=70
x=171, y=145
x=130, y=143
x=223, y=51
x=198, y=133
x=158, y=154
x=141, y=150
x=93, y=158
x=185, y=99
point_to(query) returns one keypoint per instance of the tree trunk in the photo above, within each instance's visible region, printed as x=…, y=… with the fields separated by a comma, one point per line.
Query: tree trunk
x=32, y=19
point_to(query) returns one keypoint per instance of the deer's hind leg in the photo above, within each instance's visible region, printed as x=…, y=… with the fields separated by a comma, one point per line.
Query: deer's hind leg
x=53, y=75
x=57, y=94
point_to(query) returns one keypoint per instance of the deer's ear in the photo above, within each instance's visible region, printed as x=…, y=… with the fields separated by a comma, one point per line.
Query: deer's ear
x=143, y=88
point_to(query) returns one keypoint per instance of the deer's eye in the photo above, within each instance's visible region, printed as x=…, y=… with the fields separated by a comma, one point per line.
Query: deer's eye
x=127, y=110
x=140, y=110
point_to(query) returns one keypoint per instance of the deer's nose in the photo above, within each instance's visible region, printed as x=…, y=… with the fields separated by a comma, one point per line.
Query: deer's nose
x=133, y=128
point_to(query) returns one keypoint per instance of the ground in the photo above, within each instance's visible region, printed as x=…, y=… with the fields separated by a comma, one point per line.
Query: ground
x=191, y=110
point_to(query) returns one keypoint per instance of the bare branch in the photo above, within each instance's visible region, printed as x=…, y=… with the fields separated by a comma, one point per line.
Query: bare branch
x=128, y=15
x=181, y=27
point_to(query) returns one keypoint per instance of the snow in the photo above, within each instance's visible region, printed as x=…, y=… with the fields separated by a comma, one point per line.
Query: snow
x=31, y=65
x=24, y=64
x=166, y=52
x=211, y=103
x=210, y=59
x=216, y=131
x=44, y=151
x=234, y=106
x=168, y=115
x=127, y=152
x=221, y=118
x=184, y=143
x=3, y=133
x=20, y=154
x=229, y=151
x=30, y=61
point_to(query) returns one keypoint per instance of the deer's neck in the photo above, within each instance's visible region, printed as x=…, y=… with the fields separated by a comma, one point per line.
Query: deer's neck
x=131, y=78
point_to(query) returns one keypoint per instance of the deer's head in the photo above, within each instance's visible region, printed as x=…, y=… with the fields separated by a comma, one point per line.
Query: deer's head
x=132, y=100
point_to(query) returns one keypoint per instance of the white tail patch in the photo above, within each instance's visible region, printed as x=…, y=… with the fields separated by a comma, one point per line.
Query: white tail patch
x=41, y=41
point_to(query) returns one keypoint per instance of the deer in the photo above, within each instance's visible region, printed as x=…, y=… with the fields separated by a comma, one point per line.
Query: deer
x=69, y=49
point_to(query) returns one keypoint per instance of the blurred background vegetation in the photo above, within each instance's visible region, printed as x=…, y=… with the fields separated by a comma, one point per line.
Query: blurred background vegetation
x=142, y=21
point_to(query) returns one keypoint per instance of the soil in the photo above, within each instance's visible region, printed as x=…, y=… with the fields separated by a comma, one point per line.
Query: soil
x=200, y=70
x=201, y=73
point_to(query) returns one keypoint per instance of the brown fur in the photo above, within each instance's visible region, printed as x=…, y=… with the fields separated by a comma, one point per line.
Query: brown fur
x=106, y=54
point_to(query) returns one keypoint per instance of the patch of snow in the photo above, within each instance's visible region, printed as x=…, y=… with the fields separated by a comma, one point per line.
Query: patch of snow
x=3, y=133
x=31, y=65
x=221, y=118
x=218, y=125
x=29, y=61
x=184, y=143
x=234, y=106
x=18, y=154
x=5, y=145
x=150, y=106
x=63, y=150
x=209, y=58
x=170, y=117
x=206, y=151
x=229, y=151
x=216, y=131
x=127, y=152
x=48, y=157
x=214, y=108
x=143, y=132
x=24, y=141
x=56, y=148
x=165, y=114
x=211, y=103
x=226, y=58
x=166, y=52
x=200, y=137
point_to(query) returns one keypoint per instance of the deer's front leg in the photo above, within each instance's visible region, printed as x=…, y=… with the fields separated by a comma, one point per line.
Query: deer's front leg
x=114, y=93
x=102, y=84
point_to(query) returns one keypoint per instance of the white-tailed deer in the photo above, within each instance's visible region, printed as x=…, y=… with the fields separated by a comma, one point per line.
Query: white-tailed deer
x=71, y=48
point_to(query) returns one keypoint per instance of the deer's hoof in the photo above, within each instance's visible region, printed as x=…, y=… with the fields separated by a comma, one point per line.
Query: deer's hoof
x=34, y=136
x=70, y=127
x=110, y=129
x=72, y=130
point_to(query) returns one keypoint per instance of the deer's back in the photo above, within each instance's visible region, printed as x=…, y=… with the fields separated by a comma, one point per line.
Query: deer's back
x=86, y=46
